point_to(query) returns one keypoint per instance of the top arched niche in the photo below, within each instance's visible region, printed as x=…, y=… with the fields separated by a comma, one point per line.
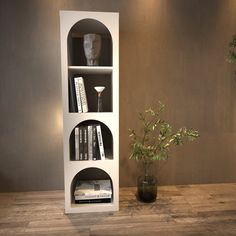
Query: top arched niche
x=76, y=55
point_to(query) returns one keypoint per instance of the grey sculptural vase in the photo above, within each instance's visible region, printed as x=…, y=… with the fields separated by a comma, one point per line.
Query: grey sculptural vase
x=92, y=47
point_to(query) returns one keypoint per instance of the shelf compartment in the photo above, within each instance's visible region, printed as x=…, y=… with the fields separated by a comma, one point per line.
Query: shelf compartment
x=90, y=174
x=90, y=81
x=82, y=142
x=76, y=55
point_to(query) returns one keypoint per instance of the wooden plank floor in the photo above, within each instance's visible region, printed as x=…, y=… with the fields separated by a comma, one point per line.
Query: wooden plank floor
x=179, y=210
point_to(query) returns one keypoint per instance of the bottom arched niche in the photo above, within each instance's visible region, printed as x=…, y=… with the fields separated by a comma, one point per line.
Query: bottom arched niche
x=91, y=185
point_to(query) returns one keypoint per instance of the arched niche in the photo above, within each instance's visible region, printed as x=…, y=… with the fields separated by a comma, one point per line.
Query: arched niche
x=89, y=174
x=76, y=56
x=106, y=136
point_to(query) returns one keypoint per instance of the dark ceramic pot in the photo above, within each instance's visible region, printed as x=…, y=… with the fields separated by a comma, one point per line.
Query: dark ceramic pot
x=147, y=188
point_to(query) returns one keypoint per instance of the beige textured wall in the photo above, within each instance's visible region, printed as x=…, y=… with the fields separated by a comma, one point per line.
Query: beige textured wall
x=170, y=50
x=174, y=51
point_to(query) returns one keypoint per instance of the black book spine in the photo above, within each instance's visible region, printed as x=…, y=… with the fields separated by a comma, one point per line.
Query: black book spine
x=96, y=153
x=72, y=96
x=104, y=200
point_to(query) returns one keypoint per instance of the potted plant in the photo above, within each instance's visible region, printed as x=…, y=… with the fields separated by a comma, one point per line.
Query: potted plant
x=152, y=143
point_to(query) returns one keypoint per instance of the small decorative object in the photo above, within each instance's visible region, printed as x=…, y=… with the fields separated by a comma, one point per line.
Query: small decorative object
x=92, y=48
x=153, y=144
x=232, y=54
x=99, y=90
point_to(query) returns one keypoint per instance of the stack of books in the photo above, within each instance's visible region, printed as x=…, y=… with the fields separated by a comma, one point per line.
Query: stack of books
x=89, y=143
x=93, y=191
x=77, y=95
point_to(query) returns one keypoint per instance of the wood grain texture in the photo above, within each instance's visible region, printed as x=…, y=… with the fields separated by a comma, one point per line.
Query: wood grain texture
x=178, y=211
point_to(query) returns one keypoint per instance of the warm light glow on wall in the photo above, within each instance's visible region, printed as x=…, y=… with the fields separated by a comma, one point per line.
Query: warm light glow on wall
x=58, y=120
x=149, y=5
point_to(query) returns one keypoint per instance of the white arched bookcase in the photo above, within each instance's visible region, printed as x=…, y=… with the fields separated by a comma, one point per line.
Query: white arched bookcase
x=73, y=25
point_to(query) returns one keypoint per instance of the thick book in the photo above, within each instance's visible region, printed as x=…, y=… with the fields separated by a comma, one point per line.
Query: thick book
x=78, y=95
x=85, y=142
x=100, y=142
x=72, y=96
x=90, y=142
x=77, y=143
x=93, y=189
x=83, y=96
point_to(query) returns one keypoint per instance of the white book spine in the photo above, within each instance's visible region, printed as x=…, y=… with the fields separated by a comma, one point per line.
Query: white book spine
x=81, y=154
x=76, y=143
x=77, y=91
x=90, y=142
x=84, y=102
x=100, y=142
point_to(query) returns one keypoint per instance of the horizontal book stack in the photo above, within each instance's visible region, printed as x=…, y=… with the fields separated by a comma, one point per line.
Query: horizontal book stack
x=93, y=191
x=77, y=95
x=89, y=143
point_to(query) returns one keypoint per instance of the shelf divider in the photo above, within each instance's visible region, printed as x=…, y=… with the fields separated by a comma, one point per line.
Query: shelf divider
x=91, y=69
